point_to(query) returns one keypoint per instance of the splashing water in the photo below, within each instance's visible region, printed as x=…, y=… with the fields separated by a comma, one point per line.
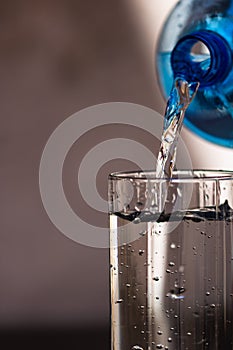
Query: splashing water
x=180, y=98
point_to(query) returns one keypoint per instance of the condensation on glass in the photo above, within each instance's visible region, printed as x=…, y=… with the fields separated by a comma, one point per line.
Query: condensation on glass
x=171, y=265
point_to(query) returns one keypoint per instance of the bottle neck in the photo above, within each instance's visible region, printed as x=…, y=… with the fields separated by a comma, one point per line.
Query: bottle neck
x=202, y=56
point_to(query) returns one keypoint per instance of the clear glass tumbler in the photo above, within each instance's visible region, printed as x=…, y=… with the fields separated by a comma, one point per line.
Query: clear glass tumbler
x=171, y=252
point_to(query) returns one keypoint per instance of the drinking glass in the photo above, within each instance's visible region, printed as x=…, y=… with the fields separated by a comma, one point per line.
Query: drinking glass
x=171, y=257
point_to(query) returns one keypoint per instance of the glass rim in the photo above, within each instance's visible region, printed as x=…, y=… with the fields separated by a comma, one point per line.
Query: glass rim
x=180, y=175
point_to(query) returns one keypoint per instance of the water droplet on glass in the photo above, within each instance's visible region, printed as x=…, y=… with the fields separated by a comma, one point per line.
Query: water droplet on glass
x=189, y=333
x=175, y=294
x=159, y=346
x=172, y=246
x=136, y=220
x=159, y=332
x=119, y=301
x=171, y=263
x=212, y=305
x=137, y=347
x=168, y=271
x=142, y=233
x=156, y=278
x=141, y=252
x=169, y=339
x=207, y=293
x=127, y=285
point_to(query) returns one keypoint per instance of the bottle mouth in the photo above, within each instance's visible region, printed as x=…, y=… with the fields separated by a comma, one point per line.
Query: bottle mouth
x=202, y=56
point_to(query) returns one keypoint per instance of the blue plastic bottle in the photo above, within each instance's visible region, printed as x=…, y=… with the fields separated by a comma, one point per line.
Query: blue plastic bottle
x=197, y=45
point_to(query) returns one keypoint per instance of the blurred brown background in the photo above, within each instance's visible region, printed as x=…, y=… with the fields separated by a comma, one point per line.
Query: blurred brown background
x=56, y=58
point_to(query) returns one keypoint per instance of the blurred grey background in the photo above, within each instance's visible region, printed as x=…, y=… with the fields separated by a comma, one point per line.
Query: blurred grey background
x=56, y=58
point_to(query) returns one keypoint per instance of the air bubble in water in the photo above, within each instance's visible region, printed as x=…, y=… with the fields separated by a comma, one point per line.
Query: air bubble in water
x=179, y=192
x=153, y=209
x=138, y=206
x=181, y=268
x=126, y=207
